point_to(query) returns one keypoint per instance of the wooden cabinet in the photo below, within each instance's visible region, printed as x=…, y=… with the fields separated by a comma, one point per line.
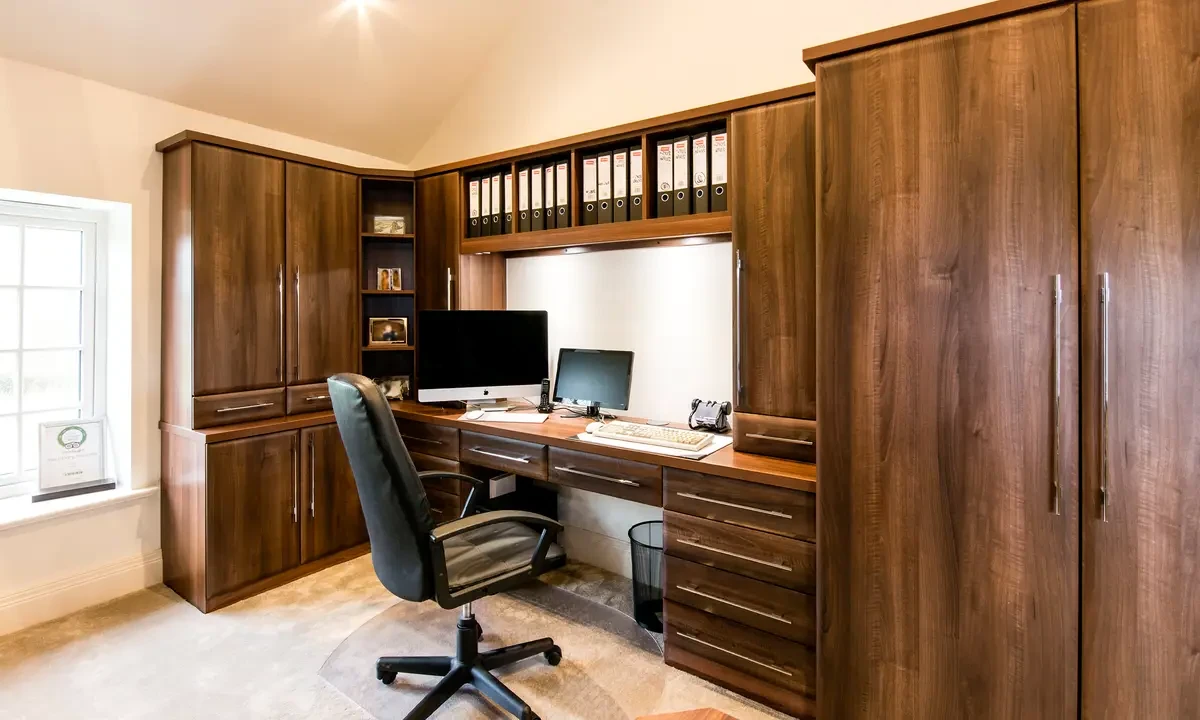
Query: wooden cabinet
x=773, y=196
x=447, y=280
x=331, y=515
x=1140, y=168
x=237, y=267
x=322, y=263
x=253, y=505
x=948, y=505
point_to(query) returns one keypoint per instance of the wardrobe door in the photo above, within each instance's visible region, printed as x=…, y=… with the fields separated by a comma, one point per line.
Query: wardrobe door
x=237, y=310
x=947, y=516
x=1140, y=144
x=322, y=258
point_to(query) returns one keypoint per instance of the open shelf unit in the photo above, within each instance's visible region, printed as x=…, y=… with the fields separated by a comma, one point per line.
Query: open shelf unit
x=382, y=195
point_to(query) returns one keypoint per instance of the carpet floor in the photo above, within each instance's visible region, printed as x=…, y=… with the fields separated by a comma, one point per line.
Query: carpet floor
x=307, y=650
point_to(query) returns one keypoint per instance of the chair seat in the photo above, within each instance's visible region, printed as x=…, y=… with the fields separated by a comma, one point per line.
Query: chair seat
x=491, y=551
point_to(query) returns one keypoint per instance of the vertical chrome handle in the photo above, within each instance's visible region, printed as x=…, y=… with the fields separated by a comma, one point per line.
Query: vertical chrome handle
x=295, y=482
x=737, y=325
x=1105, y=301
x=296, y=355
x=312, y=477
x=279, y=282
x=449, y=297
x=1056, y=460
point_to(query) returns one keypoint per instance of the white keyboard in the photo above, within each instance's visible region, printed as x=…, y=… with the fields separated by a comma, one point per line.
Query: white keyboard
x=677, y=438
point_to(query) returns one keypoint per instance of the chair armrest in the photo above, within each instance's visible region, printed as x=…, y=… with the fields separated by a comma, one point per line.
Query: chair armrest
x=434, y=474
x=457, y=527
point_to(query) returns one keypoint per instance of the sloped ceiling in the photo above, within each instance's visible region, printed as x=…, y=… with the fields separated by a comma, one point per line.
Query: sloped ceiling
x=369, y=75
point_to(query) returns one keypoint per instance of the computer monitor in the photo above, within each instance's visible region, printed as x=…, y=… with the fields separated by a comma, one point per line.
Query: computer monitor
x=481, y=355
x=594, y=379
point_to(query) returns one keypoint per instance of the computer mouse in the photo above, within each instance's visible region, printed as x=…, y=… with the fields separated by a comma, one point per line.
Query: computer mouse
x=474, y=414
x=593, y=427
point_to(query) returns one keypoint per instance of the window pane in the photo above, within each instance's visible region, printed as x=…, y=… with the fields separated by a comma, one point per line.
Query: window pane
x=10, y=254
x=50, y=379
x=29, y=433
x=51, y=318
x=8, y=449
x=53, y=257
x=8, y=382
x=9, y=300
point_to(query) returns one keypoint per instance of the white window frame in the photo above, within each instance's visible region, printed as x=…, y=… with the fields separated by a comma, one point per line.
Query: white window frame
x=93, y=225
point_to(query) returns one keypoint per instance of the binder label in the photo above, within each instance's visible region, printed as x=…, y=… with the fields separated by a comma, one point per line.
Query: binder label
x=589, y=179
x=495, y=194
x=699, y=161
x=681, y=164
x=604, y=172
x=508, y=192
x=523, y=184
x=664, y=167
x=720, y=158
x=487, y=196
x=474, y=195
x=635, y=172
x=548, y=174
x=619, y=170
x=536, y=194
x=563, y=184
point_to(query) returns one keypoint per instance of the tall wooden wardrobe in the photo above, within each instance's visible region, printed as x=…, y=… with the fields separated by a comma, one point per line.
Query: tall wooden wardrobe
x=1008, y=253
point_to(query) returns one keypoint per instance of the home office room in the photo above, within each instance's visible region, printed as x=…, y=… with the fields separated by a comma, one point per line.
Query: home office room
x=602, y=359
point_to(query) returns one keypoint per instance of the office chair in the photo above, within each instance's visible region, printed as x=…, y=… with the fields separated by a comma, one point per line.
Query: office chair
x=454, y=563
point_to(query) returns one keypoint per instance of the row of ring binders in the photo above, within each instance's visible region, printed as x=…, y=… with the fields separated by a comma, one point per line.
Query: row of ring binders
x=612, y=186
x=692, y=174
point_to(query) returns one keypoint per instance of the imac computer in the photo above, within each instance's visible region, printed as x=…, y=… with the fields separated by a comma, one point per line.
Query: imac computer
x=594, y=379
x=481, y=356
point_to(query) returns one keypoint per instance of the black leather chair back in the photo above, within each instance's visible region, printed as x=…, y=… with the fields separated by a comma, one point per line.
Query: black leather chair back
x=393, y=498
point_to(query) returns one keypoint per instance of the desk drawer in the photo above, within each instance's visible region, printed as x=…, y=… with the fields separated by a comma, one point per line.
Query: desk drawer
x=753, y=652
x=431, y=462
x=762, y=507
x=639, y=482
x=230, y=408
x=308, y=398
x=429, y=439
x=523, y=458
x=776, y=610
x=759, y=555
x=775, y=436
x=443, y=507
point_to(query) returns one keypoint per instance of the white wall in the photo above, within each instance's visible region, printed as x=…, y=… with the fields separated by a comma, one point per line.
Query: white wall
x=65, y=135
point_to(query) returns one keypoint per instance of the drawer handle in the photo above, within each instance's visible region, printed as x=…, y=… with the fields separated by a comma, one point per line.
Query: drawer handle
x=510, y=458
x=772, y=513
x=421, y=439
x=597, y=476
x=244, y=407
x=313, y=398
x=768, y=666
x=793, y=441
x=739, y=606
x=760, y=561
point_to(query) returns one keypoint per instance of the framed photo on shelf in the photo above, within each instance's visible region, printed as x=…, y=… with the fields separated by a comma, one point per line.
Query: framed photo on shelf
x=383, y=279
x=390, y=224
x=388, y=331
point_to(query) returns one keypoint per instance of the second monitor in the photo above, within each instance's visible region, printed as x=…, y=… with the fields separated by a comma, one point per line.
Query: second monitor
x=594, y=379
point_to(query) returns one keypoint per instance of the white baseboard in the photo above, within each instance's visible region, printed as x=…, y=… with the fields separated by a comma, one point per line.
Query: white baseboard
x=63, y=597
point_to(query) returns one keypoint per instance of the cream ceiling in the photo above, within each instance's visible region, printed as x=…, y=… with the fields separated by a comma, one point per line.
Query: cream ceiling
x=377, y=79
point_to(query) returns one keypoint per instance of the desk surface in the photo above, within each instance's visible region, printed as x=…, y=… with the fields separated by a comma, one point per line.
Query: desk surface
x=556, y=431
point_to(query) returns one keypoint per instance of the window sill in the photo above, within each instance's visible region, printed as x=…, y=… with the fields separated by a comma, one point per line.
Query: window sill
x=20, y=511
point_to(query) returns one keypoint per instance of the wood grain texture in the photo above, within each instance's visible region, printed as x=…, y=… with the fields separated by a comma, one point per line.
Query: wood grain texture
x=439, y=223
x=187, y=137
x=481, y=283
x=217, y=602
x=252, y=490
x=760, y=507
x=332, y=516
x=322, y=267
x=312, y=398
x=500, y=453
x=795, y=704
x=763, y=556
x=772, y=185
x=183, y=517
x=1140, y=123
x=238, y=256
x=636, y=481
x=782, y=437
x=948, y=176
x=718, y=223
x=429, y=439
x=238, y=407
x=177, y=288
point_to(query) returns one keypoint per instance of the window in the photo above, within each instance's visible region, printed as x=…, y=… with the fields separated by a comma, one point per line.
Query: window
x=49, y=262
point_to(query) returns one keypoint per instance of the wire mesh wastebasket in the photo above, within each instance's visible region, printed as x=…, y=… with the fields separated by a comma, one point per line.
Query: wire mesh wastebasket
x=646, y=544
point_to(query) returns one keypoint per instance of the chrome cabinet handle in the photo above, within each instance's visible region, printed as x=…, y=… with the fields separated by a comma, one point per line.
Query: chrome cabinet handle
x=421, y=439
x=295, y=483
x=314, y=398
x=1056, y=459
x=296, y=359
x=501, y=456
x=731, y=603
x=597, y=476
x=449, y=297
x=279, y=281
x=245, y=407
x=768, y=666
x=1105, y=302
x=737, y=327
x=760, y=561
x=793, y=441
x=751, y=508
x=312, y=478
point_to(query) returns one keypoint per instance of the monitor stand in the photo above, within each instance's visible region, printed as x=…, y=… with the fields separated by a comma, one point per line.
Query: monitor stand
x=497, y=405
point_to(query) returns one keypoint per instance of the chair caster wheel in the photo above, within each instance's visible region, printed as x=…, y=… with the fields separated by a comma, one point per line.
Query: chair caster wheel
x=385, y=677
x=553, y=655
